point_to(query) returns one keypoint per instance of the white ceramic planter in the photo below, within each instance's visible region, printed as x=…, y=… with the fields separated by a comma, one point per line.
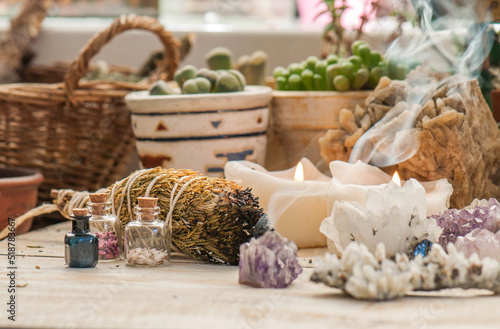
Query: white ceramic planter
x=203, y=131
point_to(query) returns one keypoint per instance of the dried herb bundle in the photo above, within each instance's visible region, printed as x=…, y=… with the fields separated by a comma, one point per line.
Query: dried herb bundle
x=210, y=219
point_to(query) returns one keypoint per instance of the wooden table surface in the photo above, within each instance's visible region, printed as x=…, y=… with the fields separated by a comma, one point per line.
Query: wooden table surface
x=188, y=294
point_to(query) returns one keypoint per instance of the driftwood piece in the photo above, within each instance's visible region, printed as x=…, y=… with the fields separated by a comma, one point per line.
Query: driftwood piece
x=15, y=42
x=457, y=137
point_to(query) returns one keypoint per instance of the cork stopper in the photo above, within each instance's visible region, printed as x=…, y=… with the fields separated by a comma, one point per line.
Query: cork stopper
x=147, y=206
x=98, y=203
x=80, y=212
x=98, y=197
x=147, y=202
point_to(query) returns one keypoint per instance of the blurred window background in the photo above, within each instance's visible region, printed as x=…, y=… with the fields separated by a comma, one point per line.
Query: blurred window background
x=83, y=8
x=208, y=9
x=274, y=13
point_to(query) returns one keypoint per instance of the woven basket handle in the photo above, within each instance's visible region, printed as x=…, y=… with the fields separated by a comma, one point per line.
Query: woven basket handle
x=79, y=66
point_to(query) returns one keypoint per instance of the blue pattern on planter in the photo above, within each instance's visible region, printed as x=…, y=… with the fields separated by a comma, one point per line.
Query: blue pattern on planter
x=197, y=112
x=231, y=156
x=215, y=170
x=235, y=156
x=216, y=124
x=197, y=138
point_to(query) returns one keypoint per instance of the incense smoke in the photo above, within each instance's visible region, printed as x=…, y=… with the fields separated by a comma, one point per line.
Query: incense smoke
x=453, y=39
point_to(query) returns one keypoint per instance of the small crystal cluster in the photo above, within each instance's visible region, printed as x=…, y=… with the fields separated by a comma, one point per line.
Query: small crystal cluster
x=474, y=229
x=371, y=276
x=268, y=262
x=395, y=216
x=108, y=245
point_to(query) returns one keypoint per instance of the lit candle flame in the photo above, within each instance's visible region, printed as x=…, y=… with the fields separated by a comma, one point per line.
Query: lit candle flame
x=299, y=173
x=396, y=179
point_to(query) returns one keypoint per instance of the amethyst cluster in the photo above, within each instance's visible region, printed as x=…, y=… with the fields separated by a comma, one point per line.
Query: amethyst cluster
x=474, y=229
x=268, y=262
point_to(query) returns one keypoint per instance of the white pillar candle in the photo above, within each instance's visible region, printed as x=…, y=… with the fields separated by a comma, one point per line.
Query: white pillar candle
x=297, y=215
x=295, y=208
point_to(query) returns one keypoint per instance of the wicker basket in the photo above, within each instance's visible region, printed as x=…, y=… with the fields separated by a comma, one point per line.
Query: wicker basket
x=55, y=72
x=77, y=134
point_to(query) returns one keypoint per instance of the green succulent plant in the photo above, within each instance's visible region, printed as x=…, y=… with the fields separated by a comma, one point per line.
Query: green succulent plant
x=362, y=70
x=201, y=81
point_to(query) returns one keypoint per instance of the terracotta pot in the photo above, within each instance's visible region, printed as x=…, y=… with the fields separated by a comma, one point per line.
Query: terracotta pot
x=18, y=194
x=299, y=118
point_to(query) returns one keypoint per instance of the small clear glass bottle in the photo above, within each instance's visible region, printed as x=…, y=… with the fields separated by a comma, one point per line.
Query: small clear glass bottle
x=147, y=239
x=106, y=227
x=80, y=246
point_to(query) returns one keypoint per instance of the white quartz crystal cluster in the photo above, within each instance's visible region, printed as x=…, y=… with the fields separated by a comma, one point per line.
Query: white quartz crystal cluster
x=395, y=216
x=371, y=276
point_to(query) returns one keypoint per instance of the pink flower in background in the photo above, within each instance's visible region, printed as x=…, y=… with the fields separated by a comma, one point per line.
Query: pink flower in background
x=309, y=9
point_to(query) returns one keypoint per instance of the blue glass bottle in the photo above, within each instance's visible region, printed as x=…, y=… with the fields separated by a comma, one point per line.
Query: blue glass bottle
x=81, y=248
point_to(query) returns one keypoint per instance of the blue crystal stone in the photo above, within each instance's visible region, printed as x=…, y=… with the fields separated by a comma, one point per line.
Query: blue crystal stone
x=422, y=248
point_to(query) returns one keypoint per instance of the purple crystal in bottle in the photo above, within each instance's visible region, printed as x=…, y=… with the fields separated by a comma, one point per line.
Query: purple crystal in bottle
x=457, y=223
x=268, y=262
x=108, y=245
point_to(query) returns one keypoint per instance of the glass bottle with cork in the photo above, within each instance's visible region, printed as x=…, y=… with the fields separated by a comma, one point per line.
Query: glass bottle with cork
x=105, y=226
x=147, y=239
x=80, y=246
